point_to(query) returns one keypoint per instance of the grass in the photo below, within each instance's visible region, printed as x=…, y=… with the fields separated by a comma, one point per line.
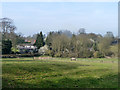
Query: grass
x=59, y=73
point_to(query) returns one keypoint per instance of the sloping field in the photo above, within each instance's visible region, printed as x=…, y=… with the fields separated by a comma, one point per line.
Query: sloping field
x=59, y=73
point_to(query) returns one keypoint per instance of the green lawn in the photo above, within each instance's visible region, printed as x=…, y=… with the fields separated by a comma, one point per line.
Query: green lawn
x=59, y=73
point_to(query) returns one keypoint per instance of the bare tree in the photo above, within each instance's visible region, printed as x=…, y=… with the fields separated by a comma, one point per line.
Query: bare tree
x=7, y=27
x=8, y=30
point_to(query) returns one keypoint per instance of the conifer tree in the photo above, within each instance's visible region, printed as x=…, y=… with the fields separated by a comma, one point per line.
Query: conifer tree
x=39, y=41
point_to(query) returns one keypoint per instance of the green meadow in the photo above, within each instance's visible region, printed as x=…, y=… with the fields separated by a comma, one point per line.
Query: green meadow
x=59, y=73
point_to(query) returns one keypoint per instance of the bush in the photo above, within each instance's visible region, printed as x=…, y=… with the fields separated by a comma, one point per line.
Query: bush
x=109, y=53
x=97, y=54
x=87, y=54
x=65, y=54
x=49, y=53
x=14, y=50
x=58, y=54
x=114, y=50
x=73, y=55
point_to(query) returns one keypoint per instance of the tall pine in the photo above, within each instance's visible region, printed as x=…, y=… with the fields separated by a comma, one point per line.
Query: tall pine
x=39, y=41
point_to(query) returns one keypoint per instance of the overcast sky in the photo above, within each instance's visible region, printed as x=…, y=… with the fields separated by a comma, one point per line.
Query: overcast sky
x=31, y=18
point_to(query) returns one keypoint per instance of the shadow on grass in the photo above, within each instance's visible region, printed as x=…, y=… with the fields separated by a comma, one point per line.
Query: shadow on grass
x=89, y=71
x=16, y=60
x=18, y=69
x=107, y=81
x=45, y=68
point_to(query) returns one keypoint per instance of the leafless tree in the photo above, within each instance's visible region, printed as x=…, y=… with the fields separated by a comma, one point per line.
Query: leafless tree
x=7, y=27
x=8, y=30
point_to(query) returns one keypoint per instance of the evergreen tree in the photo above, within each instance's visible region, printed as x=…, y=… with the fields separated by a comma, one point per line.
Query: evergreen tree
x=39, y=41
x=6, y=46
x=49, y=39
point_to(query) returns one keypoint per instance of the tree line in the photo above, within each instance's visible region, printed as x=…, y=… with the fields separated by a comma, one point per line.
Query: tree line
x=81, y=45
x=62, y=43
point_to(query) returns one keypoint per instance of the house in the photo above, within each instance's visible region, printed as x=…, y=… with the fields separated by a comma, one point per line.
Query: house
x=27, y=48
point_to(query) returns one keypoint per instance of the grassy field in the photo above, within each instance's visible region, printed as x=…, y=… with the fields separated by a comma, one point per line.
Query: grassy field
x=59, y=73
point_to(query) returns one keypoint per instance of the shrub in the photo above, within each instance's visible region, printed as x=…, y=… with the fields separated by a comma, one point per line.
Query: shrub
x=58, y=54
x=73, y=55
x=65, y=54
x=97, y=54
x=87, y=54
x=14, y=50
x=49, y=53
